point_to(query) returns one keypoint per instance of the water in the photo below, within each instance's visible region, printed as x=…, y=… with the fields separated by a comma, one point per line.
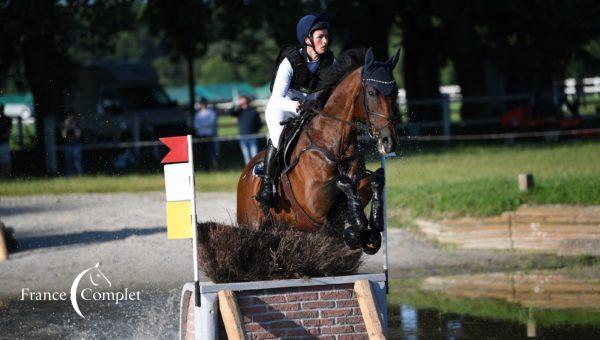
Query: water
x=156, y=315
x=545, y=305
x=411, y=323
x=484, y=306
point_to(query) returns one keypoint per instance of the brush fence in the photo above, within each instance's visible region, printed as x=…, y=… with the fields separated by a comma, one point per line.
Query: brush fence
x=343, y=307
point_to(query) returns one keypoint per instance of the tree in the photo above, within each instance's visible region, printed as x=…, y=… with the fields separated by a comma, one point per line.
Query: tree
x=42, y=36
x=186, y=29
x=422, y=60
x=364, y=24
x=530, y=43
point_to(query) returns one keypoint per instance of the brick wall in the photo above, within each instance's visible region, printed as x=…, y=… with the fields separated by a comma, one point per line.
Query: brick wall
x=189, y=317
x=323, y=312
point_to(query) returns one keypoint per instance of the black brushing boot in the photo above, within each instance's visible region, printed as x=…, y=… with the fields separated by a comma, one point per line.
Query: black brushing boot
x=266, y=194
x=377, y=183
x=355, y=221
x=352, y=239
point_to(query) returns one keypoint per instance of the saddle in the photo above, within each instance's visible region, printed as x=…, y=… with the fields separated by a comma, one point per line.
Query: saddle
x=287, y=142
x=291, y=131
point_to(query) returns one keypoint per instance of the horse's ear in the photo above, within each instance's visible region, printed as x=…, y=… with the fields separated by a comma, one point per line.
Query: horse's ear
x=394, y=60
x=369, y=59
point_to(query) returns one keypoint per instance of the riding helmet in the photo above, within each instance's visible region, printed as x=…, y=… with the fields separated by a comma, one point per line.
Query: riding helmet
x=309, y=23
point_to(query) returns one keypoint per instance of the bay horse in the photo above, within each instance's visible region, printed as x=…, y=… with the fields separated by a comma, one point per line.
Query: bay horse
x=326, y=164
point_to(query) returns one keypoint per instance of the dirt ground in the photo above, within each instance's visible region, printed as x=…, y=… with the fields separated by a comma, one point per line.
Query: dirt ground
x=61, y=236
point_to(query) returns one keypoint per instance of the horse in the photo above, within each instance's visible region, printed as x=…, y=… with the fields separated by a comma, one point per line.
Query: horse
x=326, y=164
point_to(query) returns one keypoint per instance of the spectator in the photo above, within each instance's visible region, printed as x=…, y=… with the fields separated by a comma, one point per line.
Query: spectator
x=249, y=123
x=5, y=130
x=205, y=125
x=71, y=134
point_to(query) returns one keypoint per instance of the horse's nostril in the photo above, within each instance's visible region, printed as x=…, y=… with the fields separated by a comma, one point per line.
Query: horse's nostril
x=385, y=140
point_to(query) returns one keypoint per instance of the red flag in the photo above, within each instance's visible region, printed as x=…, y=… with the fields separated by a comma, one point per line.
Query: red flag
x=178, y=152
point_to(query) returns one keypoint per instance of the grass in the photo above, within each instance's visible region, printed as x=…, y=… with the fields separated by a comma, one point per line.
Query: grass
x=209, y=182
x=443, y=181
x=482, y=180
x=28, y=136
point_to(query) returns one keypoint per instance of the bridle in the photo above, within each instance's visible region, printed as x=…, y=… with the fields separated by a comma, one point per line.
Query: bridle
x=373, y=131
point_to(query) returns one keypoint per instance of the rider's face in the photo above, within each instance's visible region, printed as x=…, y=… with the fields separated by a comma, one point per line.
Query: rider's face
x=321, y=40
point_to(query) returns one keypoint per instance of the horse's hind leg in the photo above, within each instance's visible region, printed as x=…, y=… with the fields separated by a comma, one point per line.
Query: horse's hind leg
x=377, y=181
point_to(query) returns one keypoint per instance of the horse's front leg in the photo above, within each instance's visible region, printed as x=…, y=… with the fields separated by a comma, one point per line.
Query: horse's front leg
x=355, y=216
x=377, y=182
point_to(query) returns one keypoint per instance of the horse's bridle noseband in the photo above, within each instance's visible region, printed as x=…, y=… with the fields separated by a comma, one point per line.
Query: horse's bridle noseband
x=373, y=131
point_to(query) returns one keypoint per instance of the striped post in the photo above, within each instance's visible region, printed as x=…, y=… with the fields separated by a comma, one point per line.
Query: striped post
x=385, y=225
x=180, y=193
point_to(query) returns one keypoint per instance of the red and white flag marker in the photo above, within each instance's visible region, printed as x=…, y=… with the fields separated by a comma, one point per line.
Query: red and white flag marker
x=180, y=192
x=179, y=186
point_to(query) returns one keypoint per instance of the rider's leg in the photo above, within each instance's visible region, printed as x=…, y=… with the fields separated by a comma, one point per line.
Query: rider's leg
x=273, y=118
x=266, y=194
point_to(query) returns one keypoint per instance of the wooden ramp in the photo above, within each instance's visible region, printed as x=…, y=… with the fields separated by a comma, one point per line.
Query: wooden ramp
x=549, y=228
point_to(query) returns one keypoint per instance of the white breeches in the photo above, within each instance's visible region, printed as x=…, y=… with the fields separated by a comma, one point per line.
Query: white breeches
x=273, y=117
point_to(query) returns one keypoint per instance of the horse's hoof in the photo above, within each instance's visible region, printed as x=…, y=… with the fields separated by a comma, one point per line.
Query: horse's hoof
x=371, y=242
x=351, y=239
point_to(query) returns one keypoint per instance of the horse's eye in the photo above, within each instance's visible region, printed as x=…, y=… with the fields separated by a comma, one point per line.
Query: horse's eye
x=371, y=93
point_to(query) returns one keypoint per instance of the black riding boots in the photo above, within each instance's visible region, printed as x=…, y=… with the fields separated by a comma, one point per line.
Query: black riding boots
x=266, y=194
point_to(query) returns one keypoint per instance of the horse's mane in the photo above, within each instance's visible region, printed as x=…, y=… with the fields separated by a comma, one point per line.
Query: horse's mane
x=346, y=63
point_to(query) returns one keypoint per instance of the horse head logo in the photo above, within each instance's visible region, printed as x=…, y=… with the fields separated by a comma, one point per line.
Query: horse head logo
x=97, y=278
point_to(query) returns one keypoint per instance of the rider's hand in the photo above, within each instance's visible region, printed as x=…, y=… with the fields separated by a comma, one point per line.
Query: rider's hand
x=298, y=106
x=309, y=104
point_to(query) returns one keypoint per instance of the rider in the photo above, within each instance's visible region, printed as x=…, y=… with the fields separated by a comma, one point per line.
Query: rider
x=296, y=77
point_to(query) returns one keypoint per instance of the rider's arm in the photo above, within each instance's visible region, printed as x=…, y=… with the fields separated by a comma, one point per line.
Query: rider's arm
x=281, y=85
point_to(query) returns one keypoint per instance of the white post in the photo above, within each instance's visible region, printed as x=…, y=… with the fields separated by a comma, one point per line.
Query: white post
x=385, y=226
x=206, y=317
x=194, y=217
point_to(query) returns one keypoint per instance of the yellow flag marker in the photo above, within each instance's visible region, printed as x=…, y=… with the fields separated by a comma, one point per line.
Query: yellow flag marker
x=179, y=219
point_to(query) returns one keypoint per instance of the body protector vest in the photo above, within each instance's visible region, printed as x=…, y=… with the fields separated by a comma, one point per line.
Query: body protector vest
x=303, y=80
